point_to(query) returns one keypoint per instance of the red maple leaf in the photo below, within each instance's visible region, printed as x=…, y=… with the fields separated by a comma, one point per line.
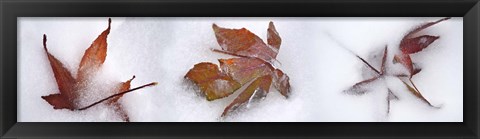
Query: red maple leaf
x=408, y=45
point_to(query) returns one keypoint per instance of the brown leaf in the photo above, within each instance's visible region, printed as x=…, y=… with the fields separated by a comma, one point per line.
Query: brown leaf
x=59, y=101
x=124, y=86
x=211, y=81
x=273, y=38
x=244, y=43
x=65, y=82
x=120, y=111
x=252, y=65
x=244, y=70
x=95, y=55
x=69, y=86
x=257, y=89
x=281, y=82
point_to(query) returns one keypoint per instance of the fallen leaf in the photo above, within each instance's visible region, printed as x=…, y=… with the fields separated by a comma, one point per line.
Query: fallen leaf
x=211, y=81
x=95, y=55
x=69, y=86
x=252, y=65
x=281, y=82
x=257, y=89
x=65, y=82
x=244, y=70
x=242, y=42
x=408, y=45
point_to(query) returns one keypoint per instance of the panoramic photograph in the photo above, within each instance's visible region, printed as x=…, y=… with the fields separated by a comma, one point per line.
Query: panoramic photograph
x=240, y=69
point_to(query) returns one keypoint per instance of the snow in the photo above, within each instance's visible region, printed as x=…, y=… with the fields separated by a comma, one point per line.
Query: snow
x=315, y=54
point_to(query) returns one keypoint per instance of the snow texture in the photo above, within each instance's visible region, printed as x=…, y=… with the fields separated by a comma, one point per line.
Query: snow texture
x=312, y=54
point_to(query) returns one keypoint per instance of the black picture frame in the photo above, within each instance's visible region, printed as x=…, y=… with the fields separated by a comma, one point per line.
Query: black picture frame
x=11, y=9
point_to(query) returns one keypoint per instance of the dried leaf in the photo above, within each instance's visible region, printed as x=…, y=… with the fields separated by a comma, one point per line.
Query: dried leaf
x=281, y=82
x=124, y=86
x=417, y=44
x=95, y=55
x=59, y=101
x=384, y=60
x=244, y=70
x=406, y=61
x=360, y=87
x=244, y=43
x=65, y=82
x=69, y=86
x=211, y=81
x=257, y=89
x=417, y=94
x=273, y=38
x=252, y=65
x=423, y=26
x=410, y=44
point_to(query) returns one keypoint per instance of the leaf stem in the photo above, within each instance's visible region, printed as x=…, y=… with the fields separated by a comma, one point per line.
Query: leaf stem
x=423, y=98
x=368, y=64
x=363, y=60
x=118, y=94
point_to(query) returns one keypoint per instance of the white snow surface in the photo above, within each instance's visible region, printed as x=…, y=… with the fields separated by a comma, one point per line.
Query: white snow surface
x=312, y=54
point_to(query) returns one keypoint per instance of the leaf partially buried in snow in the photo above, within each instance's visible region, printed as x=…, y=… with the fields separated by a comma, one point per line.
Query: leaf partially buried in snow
x=70, y=87
x=211, y=81
x=281, y=82
x=409, y=44
x=257, y=89
x=242, y=42
x=253, y=64
x=244, y=70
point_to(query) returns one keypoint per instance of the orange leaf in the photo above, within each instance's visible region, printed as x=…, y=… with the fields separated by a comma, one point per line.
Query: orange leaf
x=253, y=65
x=65, y=82
x=95, y=55
x=211, y=81
x=124, y=86
x=59, y=101
x=92, y=59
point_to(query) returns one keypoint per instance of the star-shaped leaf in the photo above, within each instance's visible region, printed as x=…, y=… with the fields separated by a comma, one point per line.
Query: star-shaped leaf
x=409, y=45
x=69, y=86
x=252, y=67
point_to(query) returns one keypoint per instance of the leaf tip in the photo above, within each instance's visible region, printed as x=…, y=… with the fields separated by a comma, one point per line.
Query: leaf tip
x=270, y=24
x=45, y=41
x=109, y=22
x=215, y=26
x=446, y=18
